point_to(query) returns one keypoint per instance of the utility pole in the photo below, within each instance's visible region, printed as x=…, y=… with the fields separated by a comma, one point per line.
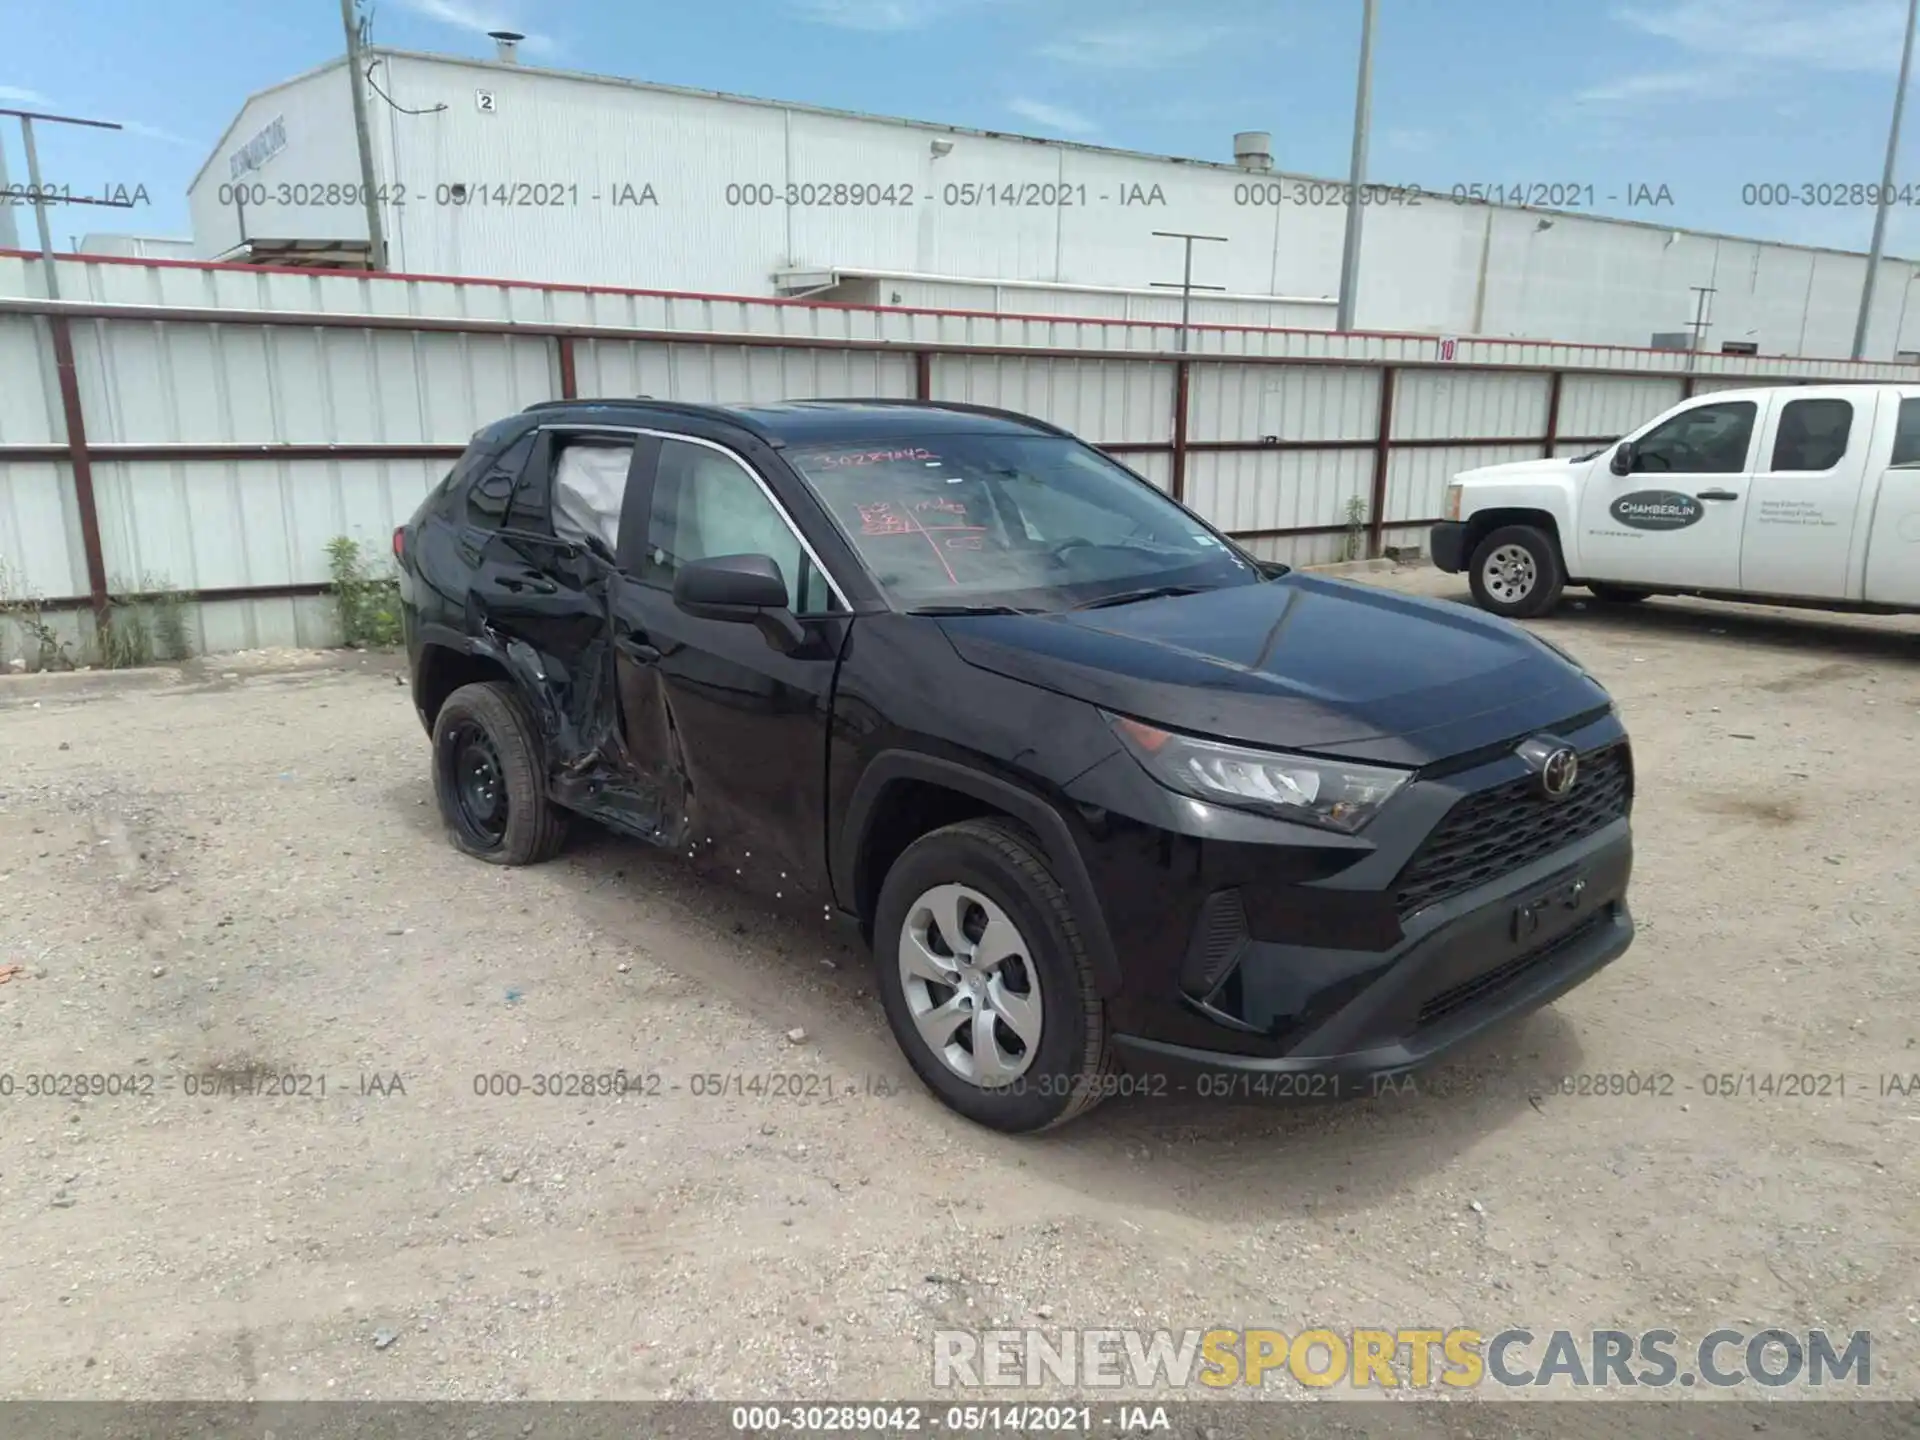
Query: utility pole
x=1357, y=173
x=376, y=236
x=38, y=193
x=9, y=232
x=1186, y=285
x=1886, y=187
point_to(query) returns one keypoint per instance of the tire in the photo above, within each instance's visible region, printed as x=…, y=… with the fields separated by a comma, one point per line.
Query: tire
x=971, y=870
x=489, y=777
x=1516, y=572
x=1618, y=594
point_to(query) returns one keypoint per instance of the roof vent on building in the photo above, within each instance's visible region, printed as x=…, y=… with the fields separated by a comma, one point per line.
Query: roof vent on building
x=1253, y=150
x=506, y=43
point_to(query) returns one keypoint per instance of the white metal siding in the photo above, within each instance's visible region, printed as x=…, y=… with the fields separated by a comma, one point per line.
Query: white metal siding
x=736, y=374
x=1320, y=402
x=1433, y=404
x=152, y=383
x=1277, y=490
x=1101, y=401
x=217, y=525
x=1612, y=404
x=1428, y=265
x=29, y=400
x=320, y=151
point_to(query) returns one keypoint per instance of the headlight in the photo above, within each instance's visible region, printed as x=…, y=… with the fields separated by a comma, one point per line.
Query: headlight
x=1335, y=793
x=1452, y=511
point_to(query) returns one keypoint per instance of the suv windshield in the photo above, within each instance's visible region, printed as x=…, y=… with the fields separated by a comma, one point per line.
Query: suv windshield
x=1020, y=521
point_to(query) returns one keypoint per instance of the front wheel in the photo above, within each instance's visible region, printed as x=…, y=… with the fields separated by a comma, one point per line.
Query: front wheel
x=985, y=981
x=1516, y=572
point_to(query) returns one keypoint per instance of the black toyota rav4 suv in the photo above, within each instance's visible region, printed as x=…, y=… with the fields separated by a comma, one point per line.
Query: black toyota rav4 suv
x=1117, y=806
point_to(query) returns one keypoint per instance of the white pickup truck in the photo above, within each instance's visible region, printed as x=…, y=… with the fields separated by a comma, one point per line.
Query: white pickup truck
x=1792, y=495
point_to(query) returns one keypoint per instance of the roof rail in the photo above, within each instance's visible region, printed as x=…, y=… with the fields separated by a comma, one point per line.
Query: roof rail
x=1033, y=420
x=690, y=408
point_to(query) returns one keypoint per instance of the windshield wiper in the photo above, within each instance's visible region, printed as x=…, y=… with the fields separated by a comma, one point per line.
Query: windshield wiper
x=1152, y=592
x=974, y=610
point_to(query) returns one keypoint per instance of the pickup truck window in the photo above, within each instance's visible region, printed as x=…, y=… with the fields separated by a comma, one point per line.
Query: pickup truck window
x=1906, y=433
x=1706, y=440
x=1812, y=434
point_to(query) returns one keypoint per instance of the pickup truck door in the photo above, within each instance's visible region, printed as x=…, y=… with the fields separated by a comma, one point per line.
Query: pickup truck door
x=1803, y=502
x=731, y=731
x=1893, y=539
x=1675, y=518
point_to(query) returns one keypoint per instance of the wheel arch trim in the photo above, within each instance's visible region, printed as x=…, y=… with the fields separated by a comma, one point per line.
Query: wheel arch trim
x=1061, y=850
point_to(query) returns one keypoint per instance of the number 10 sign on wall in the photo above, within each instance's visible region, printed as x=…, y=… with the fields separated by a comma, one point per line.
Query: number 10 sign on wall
x=1449, y=348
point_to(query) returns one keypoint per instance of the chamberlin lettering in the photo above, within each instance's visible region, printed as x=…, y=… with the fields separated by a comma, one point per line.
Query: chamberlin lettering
x=1664, y=507
x=271, y=140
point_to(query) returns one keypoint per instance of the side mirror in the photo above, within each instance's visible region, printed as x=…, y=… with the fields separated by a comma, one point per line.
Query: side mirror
x=730, y=587
x=747, y=589
x=1622, y=462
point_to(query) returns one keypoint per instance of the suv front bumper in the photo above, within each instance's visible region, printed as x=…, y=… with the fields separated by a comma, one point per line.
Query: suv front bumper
x=1468, y=965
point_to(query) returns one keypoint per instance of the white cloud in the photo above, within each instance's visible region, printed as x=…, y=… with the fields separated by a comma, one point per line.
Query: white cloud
x=881, y=15
x=1735, y=48
x=1662, y=85
x=476, y=19
x=1851, y=35
x=1410, y=139
x=17, y=95
x=1052, y=117
x=154, y=132
x=1142, y=45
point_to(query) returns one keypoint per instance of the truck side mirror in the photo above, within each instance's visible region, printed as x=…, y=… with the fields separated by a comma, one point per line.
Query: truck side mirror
x=1622, y=462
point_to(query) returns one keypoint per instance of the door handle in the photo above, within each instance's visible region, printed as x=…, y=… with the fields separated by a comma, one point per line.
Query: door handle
x=537, y=587
x=1719, y=494
x=640, y=650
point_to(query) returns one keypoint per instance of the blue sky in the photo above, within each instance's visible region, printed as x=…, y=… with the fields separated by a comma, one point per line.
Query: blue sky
x=1701, y=96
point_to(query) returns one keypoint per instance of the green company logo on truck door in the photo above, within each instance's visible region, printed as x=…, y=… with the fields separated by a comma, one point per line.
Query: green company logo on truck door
x=1657, y=510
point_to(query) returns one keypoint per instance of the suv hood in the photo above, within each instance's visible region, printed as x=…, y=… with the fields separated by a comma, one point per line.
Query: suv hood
x=1298, y=663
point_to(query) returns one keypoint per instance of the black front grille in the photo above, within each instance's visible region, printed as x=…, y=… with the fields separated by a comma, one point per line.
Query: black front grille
x=1494, y=832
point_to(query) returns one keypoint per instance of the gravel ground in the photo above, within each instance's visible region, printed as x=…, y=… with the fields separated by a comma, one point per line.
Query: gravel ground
x=236, y=868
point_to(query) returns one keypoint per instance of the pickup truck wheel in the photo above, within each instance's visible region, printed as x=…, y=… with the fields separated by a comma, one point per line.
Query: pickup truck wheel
x=1516, y=572
x=488, y=778
x=1618, y=594
x=985, y=981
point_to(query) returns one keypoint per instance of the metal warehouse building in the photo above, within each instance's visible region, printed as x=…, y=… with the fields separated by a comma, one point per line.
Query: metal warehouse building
x=492, y=168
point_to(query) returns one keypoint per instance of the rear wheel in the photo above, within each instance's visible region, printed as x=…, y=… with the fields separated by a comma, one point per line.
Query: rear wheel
x=488, y=777
x=985, y=981
x=1618, y=594
x=1516, y=572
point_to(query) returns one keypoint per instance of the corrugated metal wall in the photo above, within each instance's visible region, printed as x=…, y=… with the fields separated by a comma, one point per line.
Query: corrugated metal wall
x=236, y=421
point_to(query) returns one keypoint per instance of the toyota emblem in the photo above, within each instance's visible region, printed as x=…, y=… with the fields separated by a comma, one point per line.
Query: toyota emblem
x=1559, y=772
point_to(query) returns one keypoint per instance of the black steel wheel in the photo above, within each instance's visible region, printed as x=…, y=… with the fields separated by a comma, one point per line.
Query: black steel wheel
x=489, y=777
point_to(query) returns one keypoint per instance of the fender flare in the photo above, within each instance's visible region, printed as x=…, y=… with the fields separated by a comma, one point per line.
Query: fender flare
x=1049, y=827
